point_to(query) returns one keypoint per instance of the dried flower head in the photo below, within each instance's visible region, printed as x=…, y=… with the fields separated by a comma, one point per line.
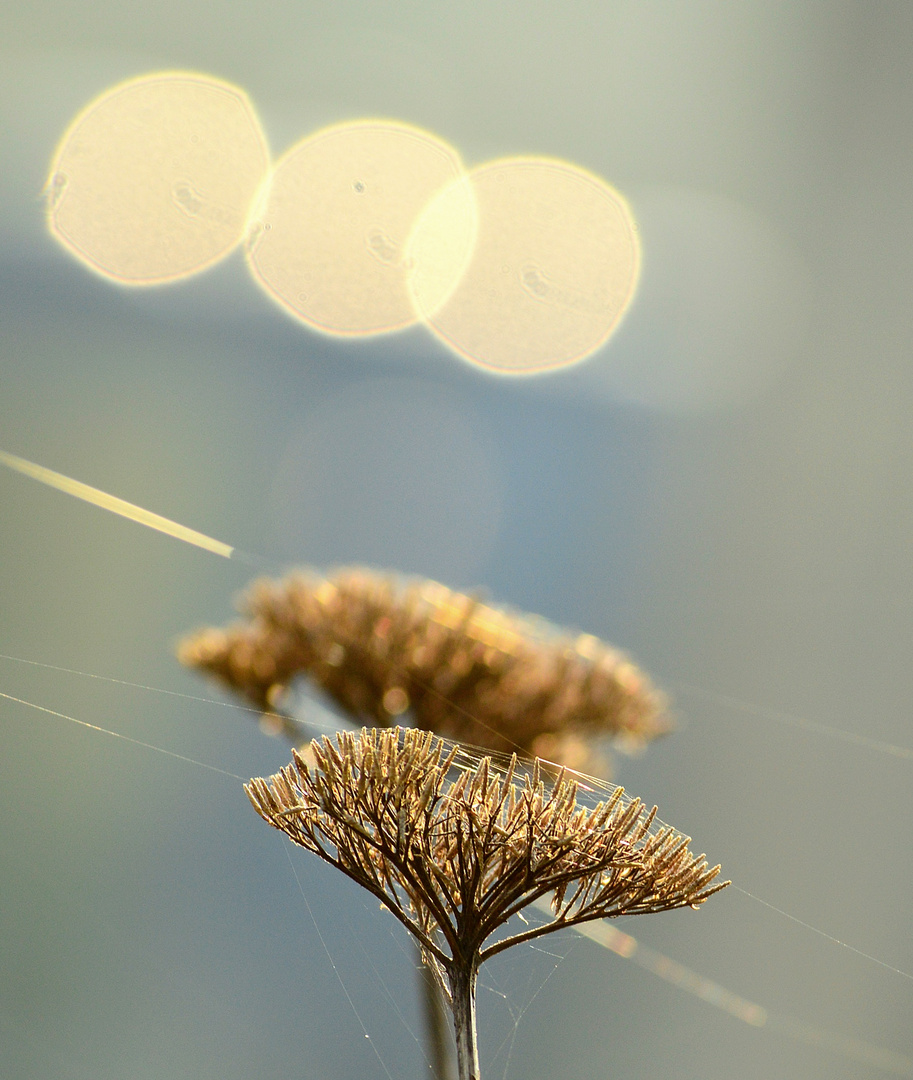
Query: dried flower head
x=379, y=647
x=455, y=847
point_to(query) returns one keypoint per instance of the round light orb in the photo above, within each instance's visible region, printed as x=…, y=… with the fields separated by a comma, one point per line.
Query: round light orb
x=329, y=233
x=154, y=179
x=551, y=260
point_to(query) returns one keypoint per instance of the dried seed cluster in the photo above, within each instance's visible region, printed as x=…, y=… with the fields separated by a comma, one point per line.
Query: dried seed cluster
x=454, y=850
x=467, y=671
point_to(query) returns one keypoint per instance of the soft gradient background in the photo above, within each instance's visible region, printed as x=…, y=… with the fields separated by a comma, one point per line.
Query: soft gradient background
x=725, y=491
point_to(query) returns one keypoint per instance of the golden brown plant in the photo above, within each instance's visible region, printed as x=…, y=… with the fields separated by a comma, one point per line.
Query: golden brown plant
x=454, y=847
x=378, y=647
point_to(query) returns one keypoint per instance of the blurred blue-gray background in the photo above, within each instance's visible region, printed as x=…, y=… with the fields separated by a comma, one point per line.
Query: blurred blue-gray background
x=724, y=491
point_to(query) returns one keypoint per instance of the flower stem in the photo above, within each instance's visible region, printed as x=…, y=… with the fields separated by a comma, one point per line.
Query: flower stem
x=462, y=977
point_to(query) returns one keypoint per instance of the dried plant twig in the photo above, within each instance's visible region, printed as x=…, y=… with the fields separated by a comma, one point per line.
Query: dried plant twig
x=379, y=646
x=455, y=848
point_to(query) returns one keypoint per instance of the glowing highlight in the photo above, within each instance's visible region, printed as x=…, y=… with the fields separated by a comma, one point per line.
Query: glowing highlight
x=328, y=236
x=551, y=258
x=154, y=179
x=520, y=266
x=117, y=506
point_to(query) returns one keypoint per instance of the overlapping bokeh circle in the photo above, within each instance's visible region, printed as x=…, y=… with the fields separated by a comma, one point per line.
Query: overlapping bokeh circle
x=154, y=179
x=518, y=265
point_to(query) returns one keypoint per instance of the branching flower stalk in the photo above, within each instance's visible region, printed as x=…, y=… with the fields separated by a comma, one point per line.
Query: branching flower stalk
x=455, y=847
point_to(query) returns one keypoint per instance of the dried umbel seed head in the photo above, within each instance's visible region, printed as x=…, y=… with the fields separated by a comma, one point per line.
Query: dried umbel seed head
x=455, y=846
x=379, y=647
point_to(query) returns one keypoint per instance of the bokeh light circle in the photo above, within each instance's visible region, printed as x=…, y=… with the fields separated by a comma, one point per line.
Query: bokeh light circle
x=153, y=181
x=552, y=265
x=329, y=234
